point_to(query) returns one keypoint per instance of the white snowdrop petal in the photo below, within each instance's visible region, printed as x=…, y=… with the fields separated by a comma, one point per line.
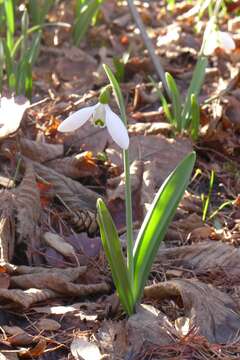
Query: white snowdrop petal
x=11, y=113
x=116, y=128
x=77, y=119
x=211, y=44
x=226, y=41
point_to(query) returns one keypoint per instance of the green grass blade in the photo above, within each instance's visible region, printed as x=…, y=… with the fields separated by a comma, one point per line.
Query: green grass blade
x=35, y=48
x=112, y=247
x=164, y=102
x=39, y=10
x=194, y=88
x=2, y=60
x=9, y=12
x=195, y=123
x=176, y=100
x=24, y=28
x=10, y=70
x=156, y=222
x=84, y=20
x=206, y=200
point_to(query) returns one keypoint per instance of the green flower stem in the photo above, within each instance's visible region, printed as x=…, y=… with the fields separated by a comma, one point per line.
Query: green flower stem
x=129, y=222
x=128, y=195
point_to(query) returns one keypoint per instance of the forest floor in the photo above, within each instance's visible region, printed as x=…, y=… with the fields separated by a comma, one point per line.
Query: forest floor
x=56, y=290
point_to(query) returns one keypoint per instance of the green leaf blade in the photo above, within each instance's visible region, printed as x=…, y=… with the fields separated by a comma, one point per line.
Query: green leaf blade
x=176, y=100
x=194, y=88
x=112, y=247
x=157, y=220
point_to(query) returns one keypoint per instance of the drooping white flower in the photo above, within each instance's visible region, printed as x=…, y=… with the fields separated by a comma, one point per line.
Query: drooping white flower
x=11, y=113
x=101, y=115
x=221, y=39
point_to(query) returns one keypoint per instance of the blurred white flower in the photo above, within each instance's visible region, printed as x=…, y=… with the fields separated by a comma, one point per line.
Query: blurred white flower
x=11, y=113
x=219, y=39
x=101, y=115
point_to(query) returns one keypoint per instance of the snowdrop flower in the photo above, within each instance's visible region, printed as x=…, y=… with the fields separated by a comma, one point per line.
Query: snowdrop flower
x=217, y=39
x=11, y=113
x=101, y=115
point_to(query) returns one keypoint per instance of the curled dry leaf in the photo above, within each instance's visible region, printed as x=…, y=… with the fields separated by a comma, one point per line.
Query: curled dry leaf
x=28, y=204
x=212, y=312
x=76, y=166
x=205, y=256
x=56, y=279
x=74, y=194
x=34, y=351
x=26, y=298
x=82, y=349
x=11, y=113
x=60, y=281
x=7, y=236
x=40, y=151
x=59, y=244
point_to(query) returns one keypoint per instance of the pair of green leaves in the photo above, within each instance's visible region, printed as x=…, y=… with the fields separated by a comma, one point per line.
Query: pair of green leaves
x=152, y=231
x=151, y=234
x=185, y=116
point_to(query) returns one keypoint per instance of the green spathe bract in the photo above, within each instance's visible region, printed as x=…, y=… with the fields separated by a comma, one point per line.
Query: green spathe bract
x=130, y=276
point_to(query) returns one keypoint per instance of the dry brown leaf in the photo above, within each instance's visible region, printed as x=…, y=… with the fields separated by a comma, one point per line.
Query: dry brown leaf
x=20, y=339
x=25, y=298
x=35, y=351
x=62, y=310
x=8, y=355
x=148, y=188
x=190, y=228
x=149, y=325
x=4, y=280
x=27, y=204
x=40, y=152
x=74, y=64
x=60, y=281
x=7, y=235
x=150, y=128
x=55, y=279
x=48, y=325
x=166, y=153
x=76, y=166
x=74, y=194
x=113, y=338
x=59, y=244
x=82, y=349
x=205, y=256
x=142, y=183
x=212, y=312
x=88, y=138
x=136, y=171
x=11, y=113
